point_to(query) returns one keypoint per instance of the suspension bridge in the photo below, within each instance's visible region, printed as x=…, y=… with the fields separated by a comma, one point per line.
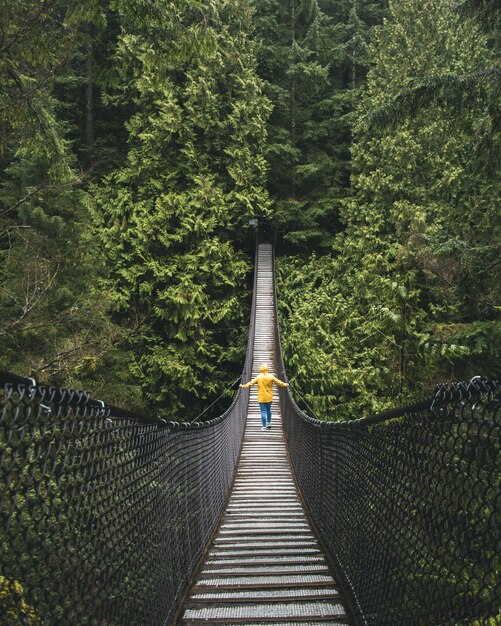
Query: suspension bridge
x=112, y=519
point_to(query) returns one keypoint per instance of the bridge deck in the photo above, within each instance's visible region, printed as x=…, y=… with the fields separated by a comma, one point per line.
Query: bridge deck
x=264, y=565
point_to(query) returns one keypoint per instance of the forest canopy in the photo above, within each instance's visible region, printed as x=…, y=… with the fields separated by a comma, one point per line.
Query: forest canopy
x=138, y=137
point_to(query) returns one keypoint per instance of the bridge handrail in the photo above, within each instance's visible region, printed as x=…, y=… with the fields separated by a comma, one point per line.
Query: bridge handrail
x=407, y=503
x=106, y=513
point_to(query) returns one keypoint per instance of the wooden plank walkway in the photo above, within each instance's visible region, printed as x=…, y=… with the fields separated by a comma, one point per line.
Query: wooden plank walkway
x=264, y=565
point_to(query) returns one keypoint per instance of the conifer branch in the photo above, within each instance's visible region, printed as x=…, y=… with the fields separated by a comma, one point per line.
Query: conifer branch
x=450, y=87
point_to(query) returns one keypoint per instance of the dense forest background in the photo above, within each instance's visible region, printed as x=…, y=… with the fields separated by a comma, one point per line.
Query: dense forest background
x=137, y=138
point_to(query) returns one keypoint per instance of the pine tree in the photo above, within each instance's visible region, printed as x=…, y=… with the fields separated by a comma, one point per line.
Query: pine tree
x=53, y=322
x=413, y=281
x=170, y=217
x=313, y=57
x=422, y=188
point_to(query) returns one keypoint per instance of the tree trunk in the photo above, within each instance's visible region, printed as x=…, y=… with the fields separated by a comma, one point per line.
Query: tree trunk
x=89, y=102
x=293, y=94
x=353, y=64
x=353, y=72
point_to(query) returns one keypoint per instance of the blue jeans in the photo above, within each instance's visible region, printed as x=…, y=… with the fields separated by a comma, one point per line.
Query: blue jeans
x=265, y=413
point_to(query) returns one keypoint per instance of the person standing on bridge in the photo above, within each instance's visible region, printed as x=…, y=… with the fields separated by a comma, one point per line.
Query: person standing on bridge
x=264, y=382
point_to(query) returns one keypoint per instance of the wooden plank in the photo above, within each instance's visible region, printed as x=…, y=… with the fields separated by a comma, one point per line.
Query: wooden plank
x=264, y=566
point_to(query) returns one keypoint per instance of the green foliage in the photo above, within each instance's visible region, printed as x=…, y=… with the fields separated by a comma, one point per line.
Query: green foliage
x=160, y=98
x=170, y=217
x=147, y=132
x=15, y=609
x=349, y=348
x=53, y=319
x=313, y=57
x=410, y=295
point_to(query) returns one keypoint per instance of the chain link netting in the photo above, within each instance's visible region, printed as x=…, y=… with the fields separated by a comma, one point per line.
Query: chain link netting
x=409, y=508
x=106, y=515
x=408, y=504
x=104, y=519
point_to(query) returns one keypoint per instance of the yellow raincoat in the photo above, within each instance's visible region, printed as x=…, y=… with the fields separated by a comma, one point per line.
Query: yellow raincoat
x=264, y=382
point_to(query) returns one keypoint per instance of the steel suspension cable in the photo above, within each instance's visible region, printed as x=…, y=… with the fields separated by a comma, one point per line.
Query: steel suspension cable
x=195, y=419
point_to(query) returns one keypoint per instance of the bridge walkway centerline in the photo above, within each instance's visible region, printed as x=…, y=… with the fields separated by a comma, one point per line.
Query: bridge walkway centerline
x=264, y=565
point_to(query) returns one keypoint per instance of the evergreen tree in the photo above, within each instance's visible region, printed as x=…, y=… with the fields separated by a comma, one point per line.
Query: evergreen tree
x=312, y=56
x=170, y=217
x=414, y=280
x=53, y=322
x=425, y=188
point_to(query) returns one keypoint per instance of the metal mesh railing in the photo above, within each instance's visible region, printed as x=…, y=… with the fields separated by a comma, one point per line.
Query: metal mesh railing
x=408, y=505
x=104, y=515
x=104, y=519
x=410, y=508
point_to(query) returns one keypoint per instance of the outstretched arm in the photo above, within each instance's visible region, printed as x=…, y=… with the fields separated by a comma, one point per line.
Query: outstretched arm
x=251, y=382
x=280, y=383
